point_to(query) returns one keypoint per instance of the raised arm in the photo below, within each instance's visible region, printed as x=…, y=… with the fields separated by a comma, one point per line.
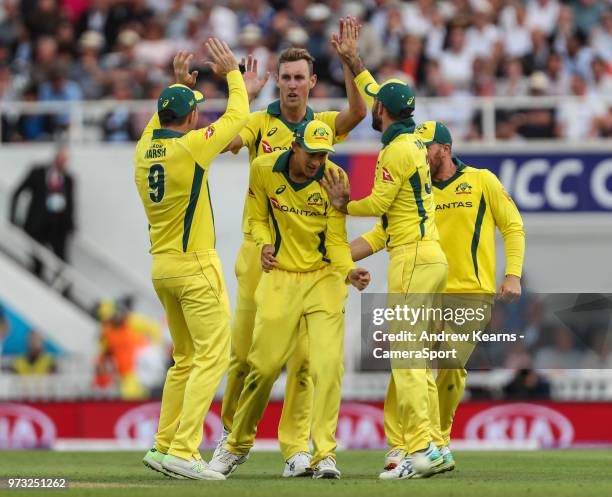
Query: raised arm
x=345, y=42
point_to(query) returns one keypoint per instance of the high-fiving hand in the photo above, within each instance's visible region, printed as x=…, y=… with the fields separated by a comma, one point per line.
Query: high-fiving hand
x=181, y=63
x=346, y=41
x=223, y=60
x=251, y=80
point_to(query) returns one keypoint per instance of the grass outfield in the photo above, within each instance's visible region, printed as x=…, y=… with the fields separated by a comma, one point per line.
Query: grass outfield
x=489, y=474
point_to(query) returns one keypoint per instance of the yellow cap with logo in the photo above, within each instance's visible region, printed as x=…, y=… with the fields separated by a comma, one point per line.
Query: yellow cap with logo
x=315, y=136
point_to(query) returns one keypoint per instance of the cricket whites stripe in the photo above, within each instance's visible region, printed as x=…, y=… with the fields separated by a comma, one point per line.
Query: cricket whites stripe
x=196, y=186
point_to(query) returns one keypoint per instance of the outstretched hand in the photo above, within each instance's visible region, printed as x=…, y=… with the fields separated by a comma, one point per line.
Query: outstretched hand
x=345, y=42
x=181, y=63
x=223, y=60
x=338, y=191
x=252, y=82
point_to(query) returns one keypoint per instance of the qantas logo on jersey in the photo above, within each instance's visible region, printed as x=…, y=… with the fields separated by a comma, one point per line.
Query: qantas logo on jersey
x=464, y=189
x=209, y=132
x=453, y=205
x=386, y=176
x=292, y=210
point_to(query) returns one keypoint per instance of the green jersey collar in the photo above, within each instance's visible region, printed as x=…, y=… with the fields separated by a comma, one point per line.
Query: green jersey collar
x=459, y=171
x=396, y=129
x=282, y=166
x=166, y=133
x=274, y=109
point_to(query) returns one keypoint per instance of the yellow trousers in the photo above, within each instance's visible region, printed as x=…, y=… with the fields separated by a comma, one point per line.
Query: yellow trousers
x=283, y=299
x=450, y=381
x=294, y=425
x=192, y=290
x=411, y=402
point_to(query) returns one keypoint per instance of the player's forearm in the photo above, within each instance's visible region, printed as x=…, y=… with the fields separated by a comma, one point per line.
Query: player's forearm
x=356, y=111
x=340, y=255
x=361, y=248
x=237, y=111
x=370, y=206
x=364, y=80
x=260, y=232
x=514, y=245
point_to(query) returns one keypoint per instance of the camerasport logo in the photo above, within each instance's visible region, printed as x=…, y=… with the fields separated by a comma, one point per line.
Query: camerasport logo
x=140, y=425
x=361, y=426
x=521, y=422
x=23, y=427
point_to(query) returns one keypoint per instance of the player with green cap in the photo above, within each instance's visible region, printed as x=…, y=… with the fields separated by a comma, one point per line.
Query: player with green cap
x=402, y=199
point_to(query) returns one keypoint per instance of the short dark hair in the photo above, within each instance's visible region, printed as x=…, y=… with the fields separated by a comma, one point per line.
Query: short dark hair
x=167, y=117
x=293, y=54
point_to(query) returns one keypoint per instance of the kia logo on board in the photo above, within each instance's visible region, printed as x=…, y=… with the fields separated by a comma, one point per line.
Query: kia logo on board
x=140, y=424
x=360, y=426
x=24, y=427
x=521, y=421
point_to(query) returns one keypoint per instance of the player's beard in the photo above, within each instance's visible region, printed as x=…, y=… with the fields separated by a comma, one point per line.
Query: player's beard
x=376, y=119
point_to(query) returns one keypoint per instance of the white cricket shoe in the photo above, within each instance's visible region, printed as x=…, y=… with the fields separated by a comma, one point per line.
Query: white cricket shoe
x=153, y=460
x=221, y=443
x=226, y=462
x=326, y=469
x=393, y=458
x=298, y=465
x=402, y=471
x=194, y=469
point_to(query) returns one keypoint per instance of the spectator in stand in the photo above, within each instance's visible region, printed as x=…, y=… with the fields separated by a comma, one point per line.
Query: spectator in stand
x=527, y=385
x=602, y=77
x=412, y=58
x=578, y=56
x=456, y=62
x=558, y=77
x=118, y=125
x=44, y=19
x=35, y=361
x=50, y=214
x=542, y=15
x=86, y=70
x=599, y=355
x=517, y=35
x=561, y=354
x=601, y=37
x=588, y=14
x=514, y=83
x=59, y=89
x=482, y=37
x=536, y=123
x=577, y=117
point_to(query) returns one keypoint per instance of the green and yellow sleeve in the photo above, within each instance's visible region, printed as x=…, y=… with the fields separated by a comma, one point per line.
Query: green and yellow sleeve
x=510, y=224
x=207, y=143
x=362, y=80
x=248, y=134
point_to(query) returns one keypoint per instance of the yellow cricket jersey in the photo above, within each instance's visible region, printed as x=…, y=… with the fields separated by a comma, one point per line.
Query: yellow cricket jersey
x=297, y=218
x=402, y=195
x=171, y=171
x=469, y=206
x=267, y=131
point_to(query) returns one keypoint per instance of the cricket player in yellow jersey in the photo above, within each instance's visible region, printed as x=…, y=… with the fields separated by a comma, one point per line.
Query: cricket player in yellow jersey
x=172, y=160
x=470, y=204
x=269, y=131
x=307, y=262
x=403, y=200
